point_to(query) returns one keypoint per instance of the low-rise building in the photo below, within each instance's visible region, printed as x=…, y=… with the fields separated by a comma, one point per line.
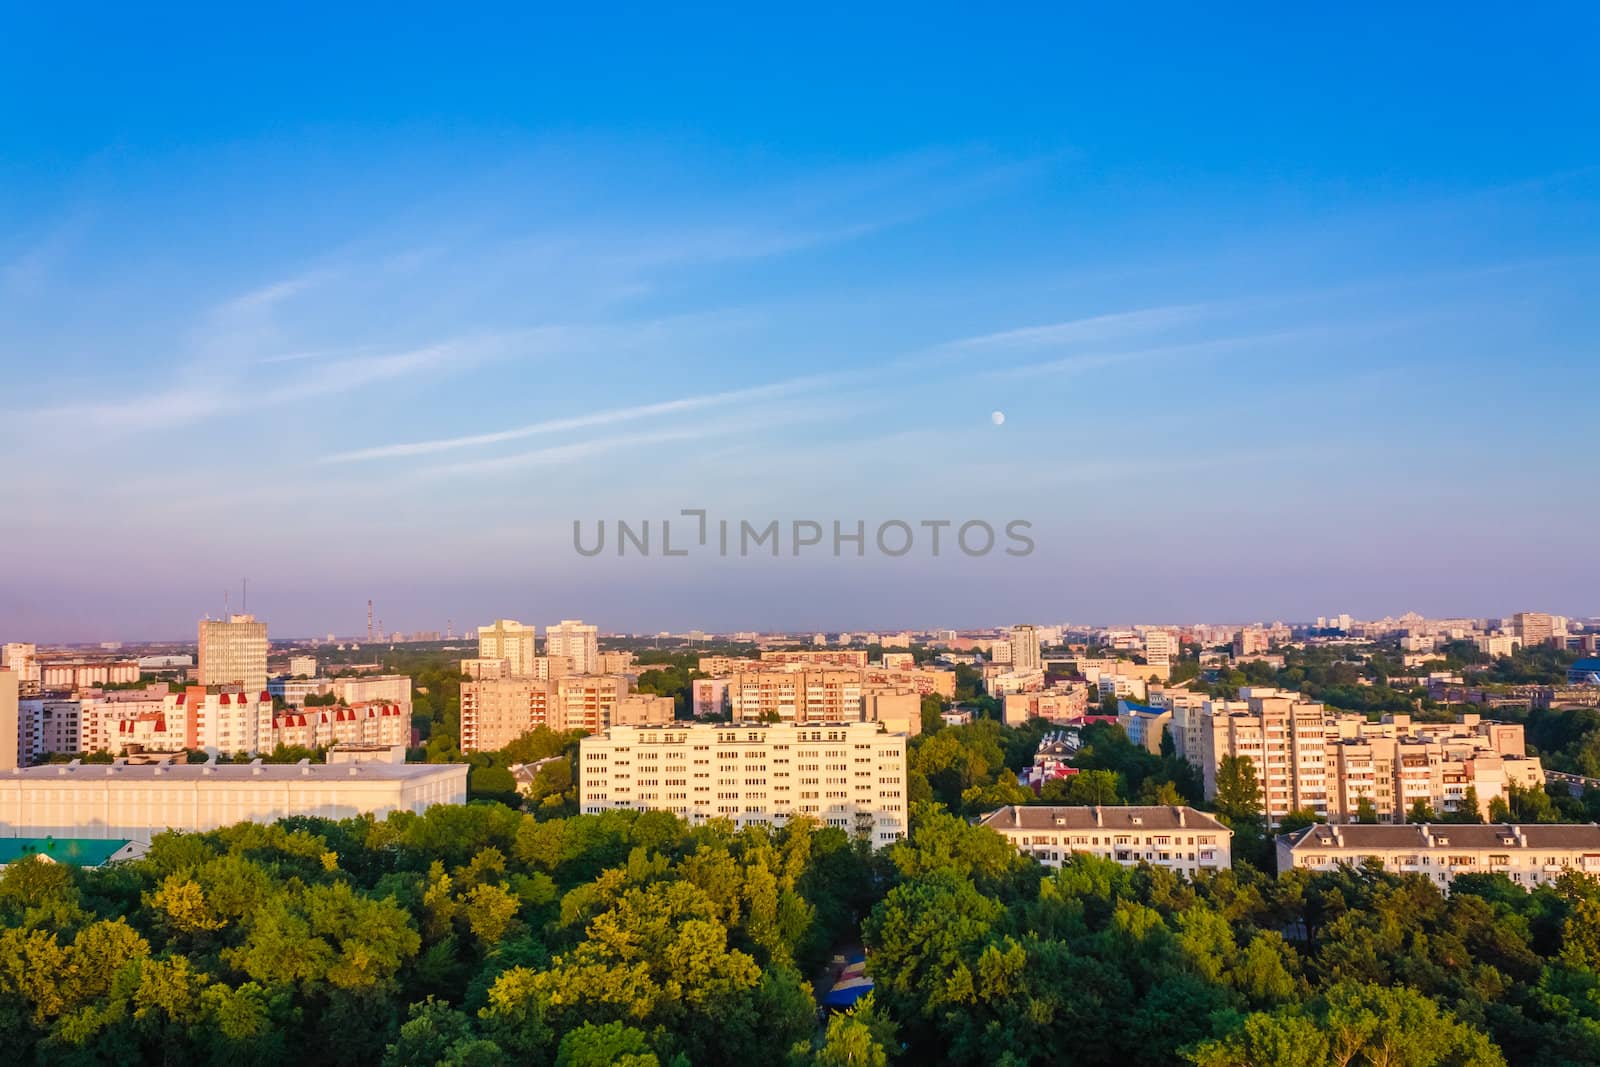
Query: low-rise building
x=135, y=802
x=1180, y=839
x=1529, y=855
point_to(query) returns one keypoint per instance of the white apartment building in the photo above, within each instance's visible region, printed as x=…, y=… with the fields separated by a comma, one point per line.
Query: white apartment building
x=373, y=723
x=849, y=775
x=1161, y=647
x=233, y=652
x=1180, y=839
x=302, y=666
x=1529, y=855
x=511, y=641
x=109, y=801
x=578, y=642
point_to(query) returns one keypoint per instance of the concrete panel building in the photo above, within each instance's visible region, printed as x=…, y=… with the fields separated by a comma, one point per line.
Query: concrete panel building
x=849, y=775
x=233, y=652
x=1529, y=855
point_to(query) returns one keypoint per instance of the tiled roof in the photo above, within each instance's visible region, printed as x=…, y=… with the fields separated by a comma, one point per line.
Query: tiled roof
x=1101, y=817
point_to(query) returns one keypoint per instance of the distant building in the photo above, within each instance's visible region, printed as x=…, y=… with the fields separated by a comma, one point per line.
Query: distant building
x=1534, y=627
x=233, y=653
x=23, y=661
x=136, y=802
x=509, y=640
x=1055, y=705
x=1529, y=855
x=710, y=697
x=1025, y=655
x=302, y=666
x=578, y=642
x=1179, y=839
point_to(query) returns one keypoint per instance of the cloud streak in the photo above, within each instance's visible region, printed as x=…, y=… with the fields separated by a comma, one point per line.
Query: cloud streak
x=610, y=417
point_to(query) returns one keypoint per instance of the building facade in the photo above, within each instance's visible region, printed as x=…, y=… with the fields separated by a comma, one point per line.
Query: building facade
x=1529, y=855
x=136, y=802
x=577, y=641
x=508, y=640
x=233, y=652
x=1180, y=839
x=849, y=775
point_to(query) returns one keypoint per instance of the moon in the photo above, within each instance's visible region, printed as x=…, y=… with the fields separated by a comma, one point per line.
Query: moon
x=998, y=418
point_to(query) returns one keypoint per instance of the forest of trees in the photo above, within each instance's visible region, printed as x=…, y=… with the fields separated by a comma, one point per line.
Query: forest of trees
x=513, y=930
x=481, y=935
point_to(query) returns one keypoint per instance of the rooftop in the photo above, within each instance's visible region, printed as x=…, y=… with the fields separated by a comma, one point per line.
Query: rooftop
x=1451, y=835
x=227, y=772
x=1102, y=817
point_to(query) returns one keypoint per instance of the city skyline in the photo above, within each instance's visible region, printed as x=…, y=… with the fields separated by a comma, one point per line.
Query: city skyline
x=1258, y=346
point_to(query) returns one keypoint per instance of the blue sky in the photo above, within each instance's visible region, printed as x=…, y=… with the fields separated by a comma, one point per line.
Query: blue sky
x=1289, y=314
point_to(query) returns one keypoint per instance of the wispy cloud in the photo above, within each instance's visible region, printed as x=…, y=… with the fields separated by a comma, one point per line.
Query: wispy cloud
x=1092, y=328
x=1086, y=361
x=610, y=417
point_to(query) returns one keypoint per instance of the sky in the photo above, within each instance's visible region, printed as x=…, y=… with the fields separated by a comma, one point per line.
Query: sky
x=1288, y=313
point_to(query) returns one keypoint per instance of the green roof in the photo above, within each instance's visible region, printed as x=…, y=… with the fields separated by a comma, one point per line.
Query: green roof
x=78, y=851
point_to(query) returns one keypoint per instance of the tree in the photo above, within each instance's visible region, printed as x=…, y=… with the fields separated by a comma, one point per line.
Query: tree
x=1238, y=791
x=1421, y=811
x=608, y=1045
x=1299, y=819
x=860, y=1037
x=1365, y=812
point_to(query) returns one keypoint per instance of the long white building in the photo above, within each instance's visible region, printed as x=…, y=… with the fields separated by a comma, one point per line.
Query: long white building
x=136, y=802
x=1528, y=854
x=851, y=775
x=1178, y=838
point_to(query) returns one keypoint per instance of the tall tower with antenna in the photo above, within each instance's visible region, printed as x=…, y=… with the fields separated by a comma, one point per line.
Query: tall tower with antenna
x=369, y=622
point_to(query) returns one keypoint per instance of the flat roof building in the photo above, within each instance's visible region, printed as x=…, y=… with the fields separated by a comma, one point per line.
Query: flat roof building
x=136, y=802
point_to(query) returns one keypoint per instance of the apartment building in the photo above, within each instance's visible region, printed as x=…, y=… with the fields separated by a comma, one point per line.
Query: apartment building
x=1285, y=741
x=302, y=666
x=849, y=775
x=710, y=697
x=1056, y=705
x=1161, y=647
x=495, y=712
x=1025, y=654
x=1180, y=839
x=380, y=688
x=1306, y=757
x=232, y=652
x=136, y=802
x=809, y=695
x=511, y=641
x=578, y=642
x=1529, y=855
x=23, y=661
x=1251, y=640
x=1534, y=627
x=838, y=657
x=367, y=723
